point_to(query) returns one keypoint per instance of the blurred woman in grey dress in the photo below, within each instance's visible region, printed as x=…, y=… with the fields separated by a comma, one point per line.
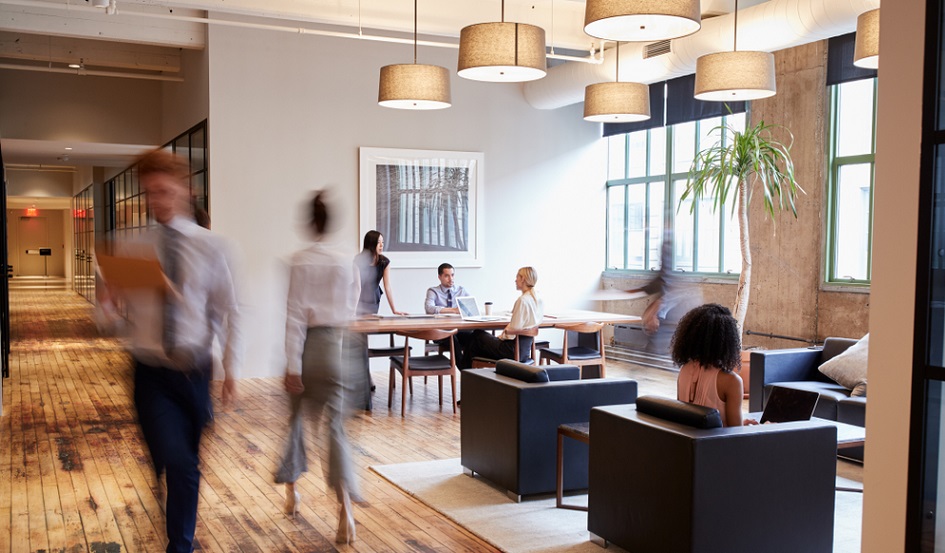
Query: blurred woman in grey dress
x=323, y=291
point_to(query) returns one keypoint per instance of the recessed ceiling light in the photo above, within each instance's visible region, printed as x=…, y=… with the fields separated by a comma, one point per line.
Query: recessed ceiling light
x=68, y=147
x=75, y=66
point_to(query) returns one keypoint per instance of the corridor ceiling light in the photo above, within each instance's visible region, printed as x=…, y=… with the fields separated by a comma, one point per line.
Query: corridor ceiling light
x=502, y=52
x=735, y=76
x=617, y=102
x=414, y=86
x=866, y=52
x=641, y=20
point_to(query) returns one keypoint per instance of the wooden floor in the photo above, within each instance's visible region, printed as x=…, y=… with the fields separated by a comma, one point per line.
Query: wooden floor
x=75, y=475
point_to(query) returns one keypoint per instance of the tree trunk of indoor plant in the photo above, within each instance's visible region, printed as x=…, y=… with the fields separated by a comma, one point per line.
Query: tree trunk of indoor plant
x=744, y=279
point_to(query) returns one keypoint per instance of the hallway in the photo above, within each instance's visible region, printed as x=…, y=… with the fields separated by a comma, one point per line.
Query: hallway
x=75, y=477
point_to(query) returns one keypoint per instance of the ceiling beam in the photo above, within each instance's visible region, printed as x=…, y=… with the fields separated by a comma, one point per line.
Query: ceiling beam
x=86, y=22
x=91, y=53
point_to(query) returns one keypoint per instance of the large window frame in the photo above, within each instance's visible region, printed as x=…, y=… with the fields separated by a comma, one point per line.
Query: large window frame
x=126, y=206
x=666, y=183
x=836, y=163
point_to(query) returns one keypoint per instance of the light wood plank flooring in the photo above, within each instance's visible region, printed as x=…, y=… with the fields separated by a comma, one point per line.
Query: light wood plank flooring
x=75, y=475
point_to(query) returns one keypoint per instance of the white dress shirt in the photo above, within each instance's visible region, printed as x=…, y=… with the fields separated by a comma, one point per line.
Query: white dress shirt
x=437, y=297
x=323, y=291
x=527, y=312
x=207, y=302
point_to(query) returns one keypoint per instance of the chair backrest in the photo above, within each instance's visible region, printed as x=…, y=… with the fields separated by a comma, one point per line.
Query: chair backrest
x=431, y=334
x=583, y=328
x=531, y=333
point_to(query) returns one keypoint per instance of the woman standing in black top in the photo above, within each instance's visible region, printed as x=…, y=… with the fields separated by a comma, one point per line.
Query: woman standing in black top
x=374, y=268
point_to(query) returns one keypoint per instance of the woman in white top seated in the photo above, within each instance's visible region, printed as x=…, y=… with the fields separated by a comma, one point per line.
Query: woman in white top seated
x=526, y=314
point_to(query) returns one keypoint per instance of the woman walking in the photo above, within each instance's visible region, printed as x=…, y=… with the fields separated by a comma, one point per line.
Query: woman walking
x=322, y=287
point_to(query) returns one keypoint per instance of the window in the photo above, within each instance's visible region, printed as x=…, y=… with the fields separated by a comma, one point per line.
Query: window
x=126, y=205
x=645, y=169
x=851, y=158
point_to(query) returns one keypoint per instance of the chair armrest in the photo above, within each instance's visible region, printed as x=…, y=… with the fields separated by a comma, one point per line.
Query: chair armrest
x=780, y=365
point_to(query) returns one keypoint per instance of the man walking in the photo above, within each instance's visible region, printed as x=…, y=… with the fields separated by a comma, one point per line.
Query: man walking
x=171, y=334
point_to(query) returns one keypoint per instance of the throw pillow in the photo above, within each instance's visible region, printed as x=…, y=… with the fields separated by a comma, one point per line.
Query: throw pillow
x=849, y=368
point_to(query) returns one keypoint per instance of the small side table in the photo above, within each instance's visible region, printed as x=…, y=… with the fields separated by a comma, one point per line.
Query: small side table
x=580, y=431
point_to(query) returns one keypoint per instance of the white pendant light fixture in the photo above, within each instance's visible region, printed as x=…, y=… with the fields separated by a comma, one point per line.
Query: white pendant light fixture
x=413, y=85
x=735, y=76
x=866, y=52
x=502, y=52
x=617, y=102
x=641, y=20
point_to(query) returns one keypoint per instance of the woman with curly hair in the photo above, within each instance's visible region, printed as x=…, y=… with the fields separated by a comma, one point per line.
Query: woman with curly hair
x=707, y=348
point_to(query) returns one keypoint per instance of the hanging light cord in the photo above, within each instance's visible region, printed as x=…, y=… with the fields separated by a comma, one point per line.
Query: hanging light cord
x=617, y=76
x=503, y=11
x=735, y=37
x=415, y=32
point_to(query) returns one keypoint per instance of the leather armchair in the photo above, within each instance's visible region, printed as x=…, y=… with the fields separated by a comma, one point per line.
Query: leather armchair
x=509, y=427
x=659, y=485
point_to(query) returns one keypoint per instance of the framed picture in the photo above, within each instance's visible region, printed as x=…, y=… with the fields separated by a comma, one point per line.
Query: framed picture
x=425, y=203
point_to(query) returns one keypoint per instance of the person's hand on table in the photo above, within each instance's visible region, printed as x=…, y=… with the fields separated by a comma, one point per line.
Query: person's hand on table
x=749, y=422
x=449, y=310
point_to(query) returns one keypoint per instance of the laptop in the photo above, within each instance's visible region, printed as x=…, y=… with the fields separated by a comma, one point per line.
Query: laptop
x=469, y=310
x=789, y=405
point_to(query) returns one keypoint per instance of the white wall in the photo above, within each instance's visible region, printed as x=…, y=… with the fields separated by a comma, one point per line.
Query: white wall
x=892, y=293
x=186, y=104
x=48, y=106
x=287, y=115
x=39, y=184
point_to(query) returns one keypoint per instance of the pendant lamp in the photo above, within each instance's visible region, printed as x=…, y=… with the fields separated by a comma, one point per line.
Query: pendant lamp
x=866, y=51
x=413, y=85
x=502, y=52
x=641, y=20
x=617, y=102
x=735, y=76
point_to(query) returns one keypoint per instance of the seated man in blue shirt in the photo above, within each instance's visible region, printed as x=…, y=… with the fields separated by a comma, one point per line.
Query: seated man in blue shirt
x=442, y=300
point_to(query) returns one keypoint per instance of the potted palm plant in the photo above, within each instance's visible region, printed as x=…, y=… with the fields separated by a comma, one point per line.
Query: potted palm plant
x=731, y=169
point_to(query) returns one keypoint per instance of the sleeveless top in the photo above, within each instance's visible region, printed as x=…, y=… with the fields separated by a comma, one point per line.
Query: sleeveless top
x=697, y=385
x=371, y=275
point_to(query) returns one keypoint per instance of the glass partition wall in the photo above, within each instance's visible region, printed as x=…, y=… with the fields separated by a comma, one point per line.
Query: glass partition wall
x=83, y=225
x=125, y=208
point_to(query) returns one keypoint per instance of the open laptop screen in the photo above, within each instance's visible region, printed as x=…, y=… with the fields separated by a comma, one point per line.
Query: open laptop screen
x=789, y=405
x=467, y=306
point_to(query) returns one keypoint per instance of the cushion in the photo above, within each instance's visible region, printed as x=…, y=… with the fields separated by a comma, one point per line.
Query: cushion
x=849, y=368
x=680, y=412
x=563, y=372
x=521, y=371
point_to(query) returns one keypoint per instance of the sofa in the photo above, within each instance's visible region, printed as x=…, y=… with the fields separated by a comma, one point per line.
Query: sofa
x=798, y=368
x=664, y=480
x=510, y=418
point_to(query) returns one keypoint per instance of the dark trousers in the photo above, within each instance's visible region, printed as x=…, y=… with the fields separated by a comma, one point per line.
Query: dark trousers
x=173, y=407
x=483, y=344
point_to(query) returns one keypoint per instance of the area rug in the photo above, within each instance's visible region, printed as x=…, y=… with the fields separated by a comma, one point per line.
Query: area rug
x=535, y=525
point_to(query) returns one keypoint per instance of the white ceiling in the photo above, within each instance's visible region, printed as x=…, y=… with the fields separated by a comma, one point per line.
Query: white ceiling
x=148, y=34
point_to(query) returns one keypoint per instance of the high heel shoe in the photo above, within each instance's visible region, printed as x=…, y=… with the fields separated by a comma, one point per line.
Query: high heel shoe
x=346, y=528
x=292, y=502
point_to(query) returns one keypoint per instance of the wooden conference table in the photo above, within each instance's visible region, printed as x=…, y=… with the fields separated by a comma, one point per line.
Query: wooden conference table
x=397, y=323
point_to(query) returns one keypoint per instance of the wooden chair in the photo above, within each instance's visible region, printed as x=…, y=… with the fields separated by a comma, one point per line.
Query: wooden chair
x=386, y=351
x=482, y=362
x=438, y=365
x=577, y=354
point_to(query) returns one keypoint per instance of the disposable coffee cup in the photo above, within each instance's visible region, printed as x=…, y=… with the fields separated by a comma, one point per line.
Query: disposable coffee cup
x=488, y=307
